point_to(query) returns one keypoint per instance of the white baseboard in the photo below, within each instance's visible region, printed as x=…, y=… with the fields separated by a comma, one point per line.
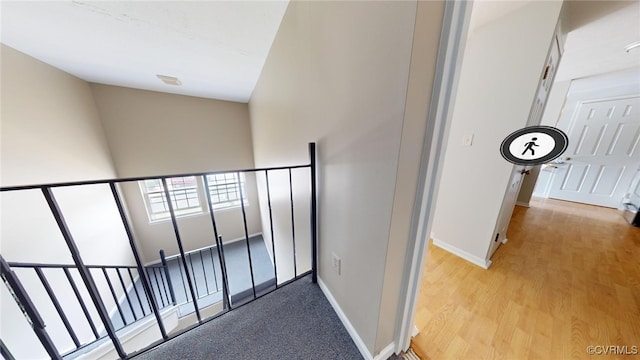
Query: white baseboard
x=520, y=203
x=415, y=331
x=463, y=254
x=384, y=353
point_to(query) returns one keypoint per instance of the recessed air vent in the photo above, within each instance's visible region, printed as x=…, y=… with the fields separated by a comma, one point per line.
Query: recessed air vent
x=169, y=80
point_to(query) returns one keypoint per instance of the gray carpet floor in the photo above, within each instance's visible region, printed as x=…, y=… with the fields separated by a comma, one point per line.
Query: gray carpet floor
x=293, y=322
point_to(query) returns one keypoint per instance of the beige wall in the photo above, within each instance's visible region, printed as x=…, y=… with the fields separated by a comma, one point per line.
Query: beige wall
x=499, y=76
x=153, y=133
x=51, y=132
x=338, y=74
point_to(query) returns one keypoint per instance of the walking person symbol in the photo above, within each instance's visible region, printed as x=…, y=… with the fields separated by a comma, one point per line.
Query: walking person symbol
x=530, y=145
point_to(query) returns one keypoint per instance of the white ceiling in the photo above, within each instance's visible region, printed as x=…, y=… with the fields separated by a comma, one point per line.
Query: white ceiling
x=598, y=33
x=216, y=48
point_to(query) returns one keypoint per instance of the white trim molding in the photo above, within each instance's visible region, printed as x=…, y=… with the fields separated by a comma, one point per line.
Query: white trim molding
x=457, y=16
x=382, y=355
x=524, y=204
x=483, y=263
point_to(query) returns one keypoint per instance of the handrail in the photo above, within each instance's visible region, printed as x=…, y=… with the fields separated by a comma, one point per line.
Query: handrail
x=67, y=266
x=123, y=281
x=109, y=181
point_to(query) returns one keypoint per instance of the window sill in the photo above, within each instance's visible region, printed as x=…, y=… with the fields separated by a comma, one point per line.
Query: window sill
x=196, y=214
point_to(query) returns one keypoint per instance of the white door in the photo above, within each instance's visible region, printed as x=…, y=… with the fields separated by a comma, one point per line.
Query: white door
x=508, y=204
x=603, y=152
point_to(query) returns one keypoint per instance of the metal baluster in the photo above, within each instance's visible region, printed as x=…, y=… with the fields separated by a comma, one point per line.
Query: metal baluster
x=180, y=248
x=182, y=279
x=4, y=351
x=115, y=298
x=293, y=227
x=145, y=284
x=206, y=283
x=314, y=217
x=84, y=271
x=164, y=286
x=85, y=311
x=246, y=234
x=213, y=267
x=155, y=277
x=126, y=294
x=219, y=249
x=135, y=289
x=195, y=281
x=153, y=291
x=56, y=304
x=273, y=240
x=168, y=275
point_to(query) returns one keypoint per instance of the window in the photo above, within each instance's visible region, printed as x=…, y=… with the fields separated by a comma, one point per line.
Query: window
x=225, y=190
x=188, y=197
x=183, y=192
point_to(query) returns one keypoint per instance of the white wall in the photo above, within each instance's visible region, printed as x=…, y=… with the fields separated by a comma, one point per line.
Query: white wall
x=338, y=74
x=501, y=66
x=51, y=132
x=153, y=133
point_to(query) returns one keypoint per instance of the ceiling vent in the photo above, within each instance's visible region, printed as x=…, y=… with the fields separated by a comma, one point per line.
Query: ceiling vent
x=169, y=80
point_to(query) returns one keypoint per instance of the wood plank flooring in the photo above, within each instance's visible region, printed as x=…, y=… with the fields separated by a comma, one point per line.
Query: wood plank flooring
x=569, y=277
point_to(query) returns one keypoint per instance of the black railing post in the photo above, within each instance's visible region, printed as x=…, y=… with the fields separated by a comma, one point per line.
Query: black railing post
x=4, y=351
x=84, y=272
x=28, y=309
x=166, y=272
x=293, y=227
x=181, y=248
x=136, y=255
x=57, y=306
x=126, y=294
x=220, y=250
x=85, y=311
x=273, y=240
x=314, y=215
x=246, y=235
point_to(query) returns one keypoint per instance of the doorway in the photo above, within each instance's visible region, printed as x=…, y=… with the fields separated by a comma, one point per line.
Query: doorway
x=614, y=13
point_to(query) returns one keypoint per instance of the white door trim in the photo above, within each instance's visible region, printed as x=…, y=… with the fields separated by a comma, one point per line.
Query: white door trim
x=452, y=43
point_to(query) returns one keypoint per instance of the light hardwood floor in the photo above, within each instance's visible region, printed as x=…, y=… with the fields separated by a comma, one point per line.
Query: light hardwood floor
x=569, y=277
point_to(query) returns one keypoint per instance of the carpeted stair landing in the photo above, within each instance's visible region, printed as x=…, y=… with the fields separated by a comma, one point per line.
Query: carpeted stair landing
x=293, y=322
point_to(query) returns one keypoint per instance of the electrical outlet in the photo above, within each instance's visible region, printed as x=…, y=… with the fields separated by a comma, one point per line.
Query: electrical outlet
x=467, y=140
x=336, y=263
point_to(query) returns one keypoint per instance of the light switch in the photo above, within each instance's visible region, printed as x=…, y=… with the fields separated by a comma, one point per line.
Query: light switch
x=467, y=140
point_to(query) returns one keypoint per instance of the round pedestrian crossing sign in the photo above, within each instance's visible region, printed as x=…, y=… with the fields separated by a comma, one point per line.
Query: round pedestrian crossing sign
x=534, y=145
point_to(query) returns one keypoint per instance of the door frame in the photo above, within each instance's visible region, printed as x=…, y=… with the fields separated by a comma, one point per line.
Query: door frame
x=455, y=27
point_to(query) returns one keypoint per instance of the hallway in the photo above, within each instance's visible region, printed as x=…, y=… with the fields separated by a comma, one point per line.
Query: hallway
x=568, y=278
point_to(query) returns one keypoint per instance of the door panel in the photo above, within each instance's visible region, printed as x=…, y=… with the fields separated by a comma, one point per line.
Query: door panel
x=603, y=152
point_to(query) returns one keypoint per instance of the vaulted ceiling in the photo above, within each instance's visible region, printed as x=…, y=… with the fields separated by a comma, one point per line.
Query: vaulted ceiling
x=215, y=48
